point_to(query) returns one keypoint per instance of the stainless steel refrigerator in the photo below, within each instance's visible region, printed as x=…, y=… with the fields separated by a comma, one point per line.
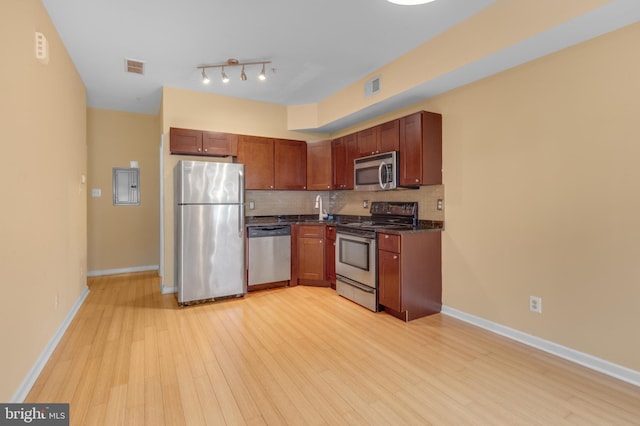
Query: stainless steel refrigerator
x=209, y=231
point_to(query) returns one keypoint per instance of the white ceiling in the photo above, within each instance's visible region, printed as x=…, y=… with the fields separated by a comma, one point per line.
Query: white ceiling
x=317, y=47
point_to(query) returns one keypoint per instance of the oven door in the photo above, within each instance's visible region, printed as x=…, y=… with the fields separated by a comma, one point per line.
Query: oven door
x=356, y=258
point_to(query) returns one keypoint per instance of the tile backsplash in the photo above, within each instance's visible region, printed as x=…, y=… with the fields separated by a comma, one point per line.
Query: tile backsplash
x=343, y=202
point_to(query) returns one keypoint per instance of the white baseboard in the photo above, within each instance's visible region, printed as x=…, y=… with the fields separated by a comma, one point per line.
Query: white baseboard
x=122, y=270
x=167, y=290
x=619, y=372
x=30, y=379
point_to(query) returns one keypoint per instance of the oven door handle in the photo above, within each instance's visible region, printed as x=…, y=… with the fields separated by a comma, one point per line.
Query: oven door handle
x=382, y=185
x=356, y=284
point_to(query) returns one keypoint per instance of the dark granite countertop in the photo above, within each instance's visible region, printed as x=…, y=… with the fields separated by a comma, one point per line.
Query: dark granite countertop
x=312, y=219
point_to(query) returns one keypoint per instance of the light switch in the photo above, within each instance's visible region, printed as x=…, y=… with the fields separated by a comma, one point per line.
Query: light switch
x=96, y=192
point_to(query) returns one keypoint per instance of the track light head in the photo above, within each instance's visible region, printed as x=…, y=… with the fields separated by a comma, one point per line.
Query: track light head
x=243, y=75
x=205, y=78
x=225, y=79
x=262, y=75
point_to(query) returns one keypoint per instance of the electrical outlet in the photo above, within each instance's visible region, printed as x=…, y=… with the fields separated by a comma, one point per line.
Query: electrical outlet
x=535, y=304
x=365, y=204
x=439, y=204
x=252, y=205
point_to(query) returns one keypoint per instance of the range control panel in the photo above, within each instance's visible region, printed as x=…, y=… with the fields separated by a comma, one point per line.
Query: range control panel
x=394, y=208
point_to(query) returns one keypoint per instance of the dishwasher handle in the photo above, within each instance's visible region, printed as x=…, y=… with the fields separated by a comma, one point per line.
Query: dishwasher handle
x=268, y=231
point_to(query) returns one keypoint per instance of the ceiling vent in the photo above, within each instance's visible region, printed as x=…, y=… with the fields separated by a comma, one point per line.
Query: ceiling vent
x=134, y=66
x=372, y=86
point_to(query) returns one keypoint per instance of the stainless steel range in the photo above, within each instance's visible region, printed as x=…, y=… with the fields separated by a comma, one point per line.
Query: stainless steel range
x=356, y=254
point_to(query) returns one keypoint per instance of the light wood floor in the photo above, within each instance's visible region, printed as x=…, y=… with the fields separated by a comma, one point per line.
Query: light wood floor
x=304, y=355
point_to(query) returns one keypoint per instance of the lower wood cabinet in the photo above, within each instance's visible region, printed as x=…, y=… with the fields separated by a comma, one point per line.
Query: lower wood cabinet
x=308, y=264
x=410, y=274
x=330, y=255
x=389, y=294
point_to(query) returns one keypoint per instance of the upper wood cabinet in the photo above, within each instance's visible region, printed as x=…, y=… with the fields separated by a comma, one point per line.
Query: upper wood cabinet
x=273, y=163
x=223, y=144
x=344, y=151
x=421, y=149
x=290, y=166
x=319, y=166
x=381, y=138
x=389, y=136
x=257, y=155
x=198, y=142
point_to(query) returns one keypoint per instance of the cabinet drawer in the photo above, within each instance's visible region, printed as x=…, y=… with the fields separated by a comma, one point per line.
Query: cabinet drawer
x=311, y=231
x=331, y=233
x=389, y=242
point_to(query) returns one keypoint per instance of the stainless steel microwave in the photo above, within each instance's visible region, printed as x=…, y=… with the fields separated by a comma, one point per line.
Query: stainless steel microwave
x=378, y=172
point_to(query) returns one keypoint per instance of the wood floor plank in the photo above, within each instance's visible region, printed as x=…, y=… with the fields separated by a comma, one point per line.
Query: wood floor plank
x=304, y=355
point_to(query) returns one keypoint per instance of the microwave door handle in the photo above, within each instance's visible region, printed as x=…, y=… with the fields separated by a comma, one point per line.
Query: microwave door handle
x=382, y=185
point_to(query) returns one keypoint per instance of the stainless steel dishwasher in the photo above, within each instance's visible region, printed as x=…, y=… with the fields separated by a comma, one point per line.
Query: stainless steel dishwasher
x=269, y=256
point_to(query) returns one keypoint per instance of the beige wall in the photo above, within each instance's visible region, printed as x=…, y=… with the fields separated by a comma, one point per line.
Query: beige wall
x=43, y=219
x=541, y=179
x=123, y=237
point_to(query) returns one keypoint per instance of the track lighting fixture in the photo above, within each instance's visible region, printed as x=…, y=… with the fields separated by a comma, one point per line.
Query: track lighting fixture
x=234, y=63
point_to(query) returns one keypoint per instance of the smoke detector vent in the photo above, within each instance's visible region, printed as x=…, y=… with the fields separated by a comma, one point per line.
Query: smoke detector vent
x=134, y=66
x=372, y=86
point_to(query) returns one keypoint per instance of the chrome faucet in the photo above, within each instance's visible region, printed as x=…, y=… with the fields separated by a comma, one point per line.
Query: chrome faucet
x=321, y=214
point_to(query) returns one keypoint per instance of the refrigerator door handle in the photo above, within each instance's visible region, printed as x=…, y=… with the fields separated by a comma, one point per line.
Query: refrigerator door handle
x=241, y=209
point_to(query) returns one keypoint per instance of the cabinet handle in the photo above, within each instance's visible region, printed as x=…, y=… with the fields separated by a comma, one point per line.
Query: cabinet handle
x=199, y=149
x=417, y=180
x=271, y=186
x=386, y=237
x=395, y=256
x=205, y=150
x=328, y=186
x=304, y=187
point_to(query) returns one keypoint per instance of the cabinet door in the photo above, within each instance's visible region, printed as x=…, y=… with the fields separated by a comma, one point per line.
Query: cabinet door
x=339, y=159
x=421, y=149
x=389, y=280
x=368, y=141
x=351, y=143
x=256, y=154
x=311, y=259
x=389, y=136
x=411, y=150
x=330, y=258
x=185, y=141
x=319, y=167
x=290, y=164
x=223, y=144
